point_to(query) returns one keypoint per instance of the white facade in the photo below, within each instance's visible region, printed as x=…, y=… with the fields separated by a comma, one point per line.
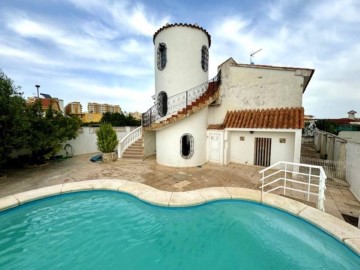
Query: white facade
x=257, y=87
x=86, y=141
x=243, y=87
x=237, y=145
x=353, y=136
x=183, y=66
x=353, y=168
x=182, y=71
x=168, y=143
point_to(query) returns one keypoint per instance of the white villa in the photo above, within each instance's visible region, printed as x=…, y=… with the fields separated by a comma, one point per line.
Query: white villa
x=249, y=114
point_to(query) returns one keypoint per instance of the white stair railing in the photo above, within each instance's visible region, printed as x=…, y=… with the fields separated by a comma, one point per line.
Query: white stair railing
x=128, y=140
x=302, y=178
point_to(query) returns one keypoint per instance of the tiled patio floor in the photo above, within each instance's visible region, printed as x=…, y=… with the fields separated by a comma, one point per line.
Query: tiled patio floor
x=338, y=200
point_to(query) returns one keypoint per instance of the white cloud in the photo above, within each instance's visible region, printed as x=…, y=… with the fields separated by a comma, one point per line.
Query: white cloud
x=129, y=99
x=128, y=16
x=107, y=45
x=345, y=10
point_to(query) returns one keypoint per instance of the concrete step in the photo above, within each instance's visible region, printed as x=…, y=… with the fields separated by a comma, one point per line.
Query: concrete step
x=135, y=151
x=202, y=101
x=132, y=156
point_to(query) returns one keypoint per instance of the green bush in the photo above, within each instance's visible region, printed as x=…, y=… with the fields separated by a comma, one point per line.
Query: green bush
x=27, y=127
x=48, y=132
x=13, y=119
x=106, y=138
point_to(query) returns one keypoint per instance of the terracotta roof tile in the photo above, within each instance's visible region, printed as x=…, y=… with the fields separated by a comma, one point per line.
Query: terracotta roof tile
x=185, y=25
x=276, y=118
x=217, y=126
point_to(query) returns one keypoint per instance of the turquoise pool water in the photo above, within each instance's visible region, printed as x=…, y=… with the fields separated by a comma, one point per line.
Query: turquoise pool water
x=109, y=230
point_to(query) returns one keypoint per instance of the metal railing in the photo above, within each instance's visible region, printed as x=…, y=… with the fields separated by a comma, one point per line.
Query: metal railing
x=180, y=101
x=128, y=140
x=335, y=169
x=297, y=178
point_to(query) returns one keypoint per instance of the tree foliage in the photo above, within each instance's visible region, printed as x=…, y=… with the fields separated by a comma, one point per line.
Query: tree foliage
x=119, y=120
x=106, y=138
x=26, y=127
x=13, y=120
x=49, y=131
x=328, y=126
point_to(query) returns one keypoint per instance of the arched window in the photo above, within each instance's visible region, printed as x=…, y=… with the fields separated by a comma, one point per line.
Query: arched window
x=161, y=56
x=162, y=103
x=204, y=58
x=187, y=146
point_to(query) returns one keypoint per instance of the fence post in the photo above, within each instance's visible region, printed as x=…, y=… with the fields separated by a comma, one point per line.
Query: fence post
x=149, y=117
x=285, y=179
x=308, y=195
x=320, y=204
x=262, y=186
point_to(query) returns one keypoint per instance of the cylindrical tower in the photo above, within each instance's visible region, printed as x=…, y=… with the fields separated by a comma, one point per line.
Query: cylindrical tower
x=181, y=63
x=181, y=58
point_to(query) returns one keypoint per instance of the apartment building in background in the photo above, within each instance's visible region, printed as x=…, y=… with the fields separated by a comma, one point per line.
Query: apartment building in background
x=73, y=108
x=103, y=108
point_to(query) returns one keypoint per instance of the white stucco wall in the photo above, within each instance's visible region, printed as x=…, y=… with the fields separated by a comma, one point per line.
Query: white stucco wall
x=168, y=141
x=330, y=145
x=183, y=69
x=149, y=143
x=353, y=136
x=244, y=151
x=85, y=142
x=353, y=168
x=256, y=88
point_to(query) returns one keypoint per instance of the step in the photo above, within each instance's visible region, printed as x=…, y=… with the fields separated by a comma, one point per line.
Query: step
x=133, y=152
x=133, y=156
x=137, y=145
x=202, y=101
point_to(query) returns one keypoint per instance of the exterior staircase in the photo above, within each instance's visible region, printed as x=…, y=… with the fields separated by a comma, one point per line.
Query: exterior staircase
x=191, y=101
x=135, y=150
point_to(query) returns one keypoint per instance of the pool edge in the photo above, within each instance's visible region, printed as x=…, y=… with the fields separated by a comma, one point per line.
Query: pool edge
x=339, y=229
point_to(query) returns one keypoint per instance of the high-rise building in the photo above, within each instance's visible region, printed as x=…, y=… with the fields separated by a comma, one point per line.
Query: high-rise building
x=103, y=108
x=73, y=108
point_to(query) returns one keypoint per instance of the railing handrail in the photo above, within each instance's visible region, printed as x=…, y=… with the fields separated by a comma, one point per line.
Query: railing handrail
x=190, y=95
x=295, y=164
x=128, y=139
x=295, y=170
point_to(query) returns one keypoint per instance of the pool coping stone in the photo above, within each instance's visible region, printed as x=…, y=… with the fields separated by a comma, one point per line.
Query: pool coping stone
x=339, y=229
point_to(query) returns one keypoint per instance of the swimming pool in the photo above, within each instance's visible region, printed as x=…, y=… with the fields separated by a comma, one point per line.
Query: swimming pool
x=110, y=230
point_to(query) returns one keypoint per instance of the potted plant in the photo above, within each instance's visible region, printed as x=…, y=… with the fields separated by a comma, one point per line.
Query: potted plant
x=107, y=142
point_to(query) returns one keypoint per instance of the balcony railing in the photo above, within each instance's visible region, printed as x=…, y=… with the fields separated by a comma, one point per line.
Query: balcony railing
x=295, y=178
x=181, y=101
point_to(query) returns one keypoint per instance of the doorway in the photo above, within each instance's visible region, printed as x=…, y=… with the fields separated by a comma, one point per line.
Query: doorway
x=214, y=148
x=262, y=152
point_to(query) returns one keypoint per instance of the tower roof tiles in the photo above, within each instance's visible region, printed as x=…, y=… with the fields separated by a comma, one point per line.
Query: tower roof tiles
x=185, y=25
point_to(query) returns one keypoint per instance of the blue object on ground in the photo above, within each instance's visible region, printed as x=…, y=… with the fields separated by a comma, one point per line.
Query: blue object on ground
x=96, y=158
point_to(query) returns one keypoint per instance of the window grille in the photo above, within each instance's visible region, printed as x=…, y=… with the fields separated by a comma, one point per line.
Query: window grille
x=161, y=56
x=204, y=58
x=187, y=146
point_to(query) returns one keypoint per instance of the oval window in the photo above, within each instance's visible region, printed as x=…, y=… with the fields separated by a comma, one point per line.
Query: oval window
x=204, y=58
x=187, y=146
x=161, y=56
x=162, y=107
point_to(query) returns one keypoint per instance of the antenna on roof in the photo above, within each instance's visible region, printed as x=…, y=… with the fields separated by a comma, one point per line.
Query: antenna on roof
x=252, y=56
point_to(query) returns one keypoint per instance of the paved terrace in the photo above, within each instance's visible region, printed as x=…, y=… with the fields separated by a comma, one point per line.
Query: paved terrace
x=338, y=199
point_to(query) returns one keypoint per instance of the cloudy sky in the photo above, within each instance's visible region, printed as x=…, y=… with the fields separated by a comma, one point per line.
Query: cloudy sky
x=102, y=50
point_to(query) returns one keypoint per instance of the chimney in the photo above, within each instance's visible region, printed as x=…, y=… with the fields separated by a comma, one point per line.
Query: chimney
x=351, y=115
